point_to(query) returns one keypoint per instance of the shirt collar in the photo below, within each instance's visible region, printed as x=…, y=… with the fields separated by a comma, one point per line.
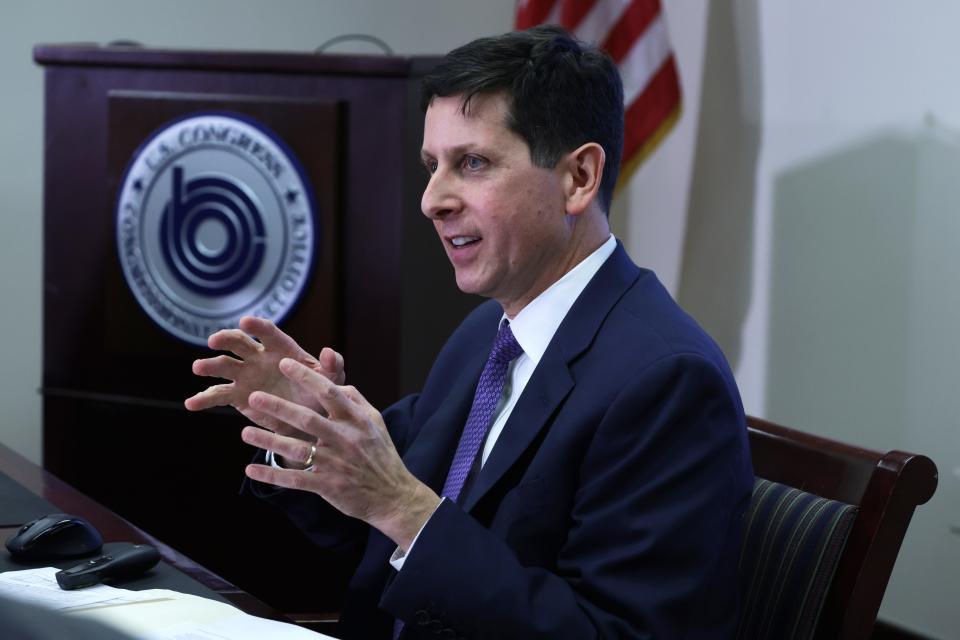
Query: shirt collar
x=536, y=323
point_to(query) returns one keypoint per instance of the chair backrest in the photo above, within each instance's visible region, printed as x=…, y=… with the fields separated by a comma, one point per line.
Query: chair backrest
x=850, y=550
x=792, y=543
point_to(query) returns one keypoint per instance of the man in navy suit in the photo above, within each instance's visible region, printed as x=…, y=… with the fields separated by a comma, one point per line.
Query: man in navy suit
x=602, y=495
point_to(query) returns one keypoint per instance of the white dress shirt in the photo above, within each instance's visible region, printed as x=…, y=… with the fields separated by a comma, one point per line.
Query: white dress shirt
x=534, y=328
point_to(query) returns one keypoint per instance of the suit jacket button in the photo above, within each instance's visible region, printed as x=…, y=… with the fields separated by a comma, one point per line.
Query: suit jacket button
x=422, y=618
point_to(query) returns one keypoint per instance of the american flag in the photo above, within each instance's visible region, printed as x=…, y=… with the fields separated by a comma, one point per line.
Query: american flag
x=634, y=33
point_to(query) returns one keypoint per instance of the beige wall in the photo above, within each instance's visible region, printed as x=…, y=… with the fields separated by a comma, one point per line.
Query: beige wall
x=822, y=236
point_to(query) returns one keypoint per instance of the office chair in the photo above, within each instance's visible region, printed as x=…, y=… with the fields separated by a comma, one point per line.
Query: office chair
x=822, y=533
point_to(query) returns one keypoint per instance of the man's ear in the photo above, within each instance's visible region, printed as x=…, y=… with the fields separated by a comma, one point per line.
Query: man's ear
x=583, y=171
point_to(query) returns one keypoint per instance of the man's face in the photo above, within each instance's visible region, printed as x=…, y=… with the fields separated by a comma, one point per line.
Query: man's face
x=500, y=217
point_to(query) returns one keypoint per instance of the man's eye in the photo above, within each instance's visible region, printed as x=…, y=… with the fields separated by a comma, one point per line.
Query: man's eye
x=473, y=163
x=430, y=166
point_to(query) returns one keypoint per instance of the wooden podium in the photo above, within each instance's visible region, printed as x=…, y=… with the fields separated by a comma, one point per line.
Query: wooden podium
x=379, y=290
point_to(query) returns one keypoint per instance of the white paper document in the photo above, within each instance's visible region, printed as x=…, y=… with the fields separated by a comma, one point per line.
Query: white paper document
x=235, y=627
x=40, y=587
x=155, y=614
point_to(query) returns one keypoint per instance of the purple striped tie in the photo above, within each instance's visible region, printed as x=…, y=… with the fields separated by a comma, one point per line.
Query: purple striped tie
x=485, y=400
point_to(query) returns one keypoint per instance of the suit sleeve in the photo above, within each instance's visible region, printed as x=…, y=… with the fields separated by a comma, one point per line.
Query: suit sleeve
x=652, y=538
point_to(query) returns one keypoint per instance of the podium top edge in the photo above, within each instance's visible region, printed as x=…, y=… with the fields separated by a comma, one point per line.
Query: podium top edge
x=226, y=60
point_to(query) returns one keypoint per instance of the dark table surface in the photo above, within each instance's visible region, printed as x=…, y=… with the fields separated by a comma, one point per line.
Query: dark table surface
x=28, y=492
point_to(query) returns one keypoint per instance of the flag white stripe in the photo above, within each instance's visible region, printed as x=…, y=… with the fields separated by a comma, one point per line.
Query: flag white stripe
x=554, y=16
x=644, y=59
x=600, y=20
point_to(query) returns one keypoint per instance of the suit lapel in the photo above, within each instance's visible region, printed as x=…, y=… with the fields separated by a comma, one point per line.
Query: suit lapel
x=552, y=379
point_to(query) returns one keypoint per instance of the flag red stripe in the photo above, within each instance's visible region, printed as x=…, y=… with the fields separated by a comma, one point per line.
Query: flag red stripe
x=630, y=27
x=572, y=12
x=651, y=108
x=534, y=12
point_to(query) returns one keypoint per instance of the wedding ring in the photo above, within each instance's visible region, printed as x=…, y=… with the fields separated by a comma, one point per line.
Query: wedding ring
x=313, y=452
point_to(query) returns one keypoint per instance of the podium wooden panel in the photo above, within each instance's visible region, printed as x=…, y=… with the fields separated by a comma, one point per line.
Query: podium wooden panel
x=382, y=291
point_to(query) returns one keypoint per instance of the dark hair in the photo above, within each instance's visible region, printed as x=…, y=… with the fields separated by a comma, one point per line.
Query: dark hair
x=560, y=93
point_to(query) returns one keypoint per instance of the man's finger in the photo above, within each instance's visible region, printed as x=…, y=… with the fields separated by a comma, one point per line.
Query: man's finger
x=289, y=448
x=273, y=338
x=219, y=395
x=286, y=478
x=331, y=363
x=218, y=367
x=354, y=394
x=324, y=390
x=291, y=413
x=234, y=341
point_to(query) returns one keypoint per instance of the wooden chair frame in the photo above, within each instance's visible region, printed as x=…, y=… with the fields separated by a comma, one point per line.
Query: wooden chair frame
x=886, y=487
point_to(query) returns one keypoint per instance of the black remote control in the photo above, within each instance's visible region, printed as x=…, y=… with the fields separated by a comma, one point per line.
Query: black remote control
x=126, y=563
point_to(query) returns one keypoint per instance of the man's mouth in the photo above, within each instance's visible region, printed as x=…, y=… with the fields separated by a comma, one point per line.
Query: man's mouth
x=462, y=241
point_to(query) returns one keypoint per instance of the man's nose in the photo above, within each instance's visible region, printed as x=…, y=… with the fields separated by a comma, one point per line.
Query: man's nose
x=439, y=198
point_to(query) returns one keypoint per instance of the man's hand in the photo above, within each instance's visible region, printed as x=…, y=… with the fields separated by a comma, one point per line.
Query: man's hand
x=257, y=370
x=355, y=467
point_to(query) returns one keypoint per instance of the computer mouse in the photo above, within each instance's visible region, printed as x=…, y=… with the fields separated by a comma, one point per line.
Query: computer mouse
x=55, y=537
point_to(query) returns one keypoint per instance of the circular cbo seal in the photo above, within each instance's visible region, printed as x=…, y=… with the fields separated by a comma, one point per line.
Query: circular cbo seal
x=215, y=221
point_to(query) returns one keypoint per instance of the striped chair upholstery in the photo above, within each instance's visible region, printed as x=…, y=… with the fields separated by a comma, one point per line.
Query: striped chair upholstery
x=792, y=542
